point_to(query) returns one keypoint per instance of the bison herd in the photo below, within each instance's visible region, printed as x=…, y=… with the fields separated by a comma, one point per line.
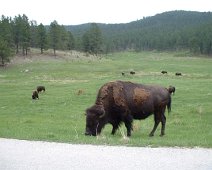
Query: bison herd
x=176, y=74
x=131, y=72
x=163, y=72
x=122, y=102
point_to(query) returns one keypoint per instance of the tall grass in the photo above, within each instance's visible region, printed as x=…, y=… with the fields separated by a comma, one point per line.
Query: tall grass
x=59, y=113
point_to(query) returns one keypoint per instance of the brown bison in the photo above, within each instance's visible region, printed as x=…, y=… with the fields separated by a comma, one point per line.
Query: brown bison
x=40, y=89
x=132, y=72
x=178, y=74
x=164, y=72
x=120, y=101
x=35, y=95
x=171, y=89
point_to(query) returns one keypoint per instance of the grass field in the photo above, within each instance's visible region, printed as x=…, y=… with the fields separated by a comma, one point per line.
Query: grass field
x=59, y=113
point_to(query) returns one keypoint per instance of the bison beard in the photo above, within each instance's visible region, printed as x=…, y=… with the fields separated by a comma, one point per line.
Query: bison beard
x=120, y=101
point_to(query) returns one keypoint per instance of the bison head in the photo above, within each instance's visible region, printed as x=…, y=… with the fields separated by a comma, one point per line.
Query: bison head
x=94, y=120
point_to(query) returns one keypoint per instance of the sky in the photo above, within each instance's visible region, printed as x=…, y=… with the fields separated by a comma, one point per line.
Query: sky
x=75, y=12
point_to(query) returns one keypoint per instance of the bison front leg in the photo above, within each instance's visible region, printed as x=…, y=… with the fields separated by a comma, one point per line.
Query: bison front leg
x=115, y=127
x=115, y=124
x=154, y=128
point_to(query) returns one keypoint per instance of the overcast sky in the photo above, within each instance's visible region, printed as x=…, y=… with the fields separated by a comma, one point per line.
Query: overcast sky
x=74, y=12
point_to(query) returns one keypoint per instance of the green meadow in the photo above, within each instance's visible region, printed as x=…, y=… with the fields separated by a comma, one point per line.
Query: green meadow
x=72, y=82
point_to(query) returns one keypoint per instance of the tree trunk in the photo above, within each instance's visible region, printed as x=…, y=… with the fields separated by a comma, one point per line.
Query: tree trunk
x=17, y=49
x=54, y=52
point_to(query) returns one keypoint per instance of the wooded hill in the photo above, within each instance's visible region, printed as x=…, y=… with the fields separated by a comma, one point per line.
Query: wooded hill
x=175, y=30
x=172, y=30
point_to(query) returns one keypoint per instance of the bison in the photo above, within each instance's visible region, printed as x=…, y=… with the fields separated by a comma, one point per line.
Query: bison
x=35, y=95
x=178, y=74
x=121, y=101
x=164, y=72
x=132, y=72
x=41, y=88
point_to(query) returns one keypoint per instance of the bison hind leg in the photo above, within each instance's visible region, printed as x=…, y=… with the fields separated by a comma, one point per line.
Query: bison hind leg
x=128, y=124
x=157, y=121
x=154, y=128
x=163, y=121
x=159, y=117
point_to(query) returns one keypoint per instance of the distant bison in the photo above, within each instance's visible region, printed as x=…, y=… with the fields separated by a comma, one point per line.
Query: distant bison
x=35, y=95
x=122, y=73
x=40, y=89
x=121, y=101
x=171, y=89
x=178, y=74
x=132, y=72
x=164, y=72
x=80, y=92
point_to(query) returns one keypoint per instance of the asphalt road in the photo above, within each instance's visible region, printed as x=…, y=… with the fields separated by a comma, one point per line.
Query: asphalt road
x=30, y=155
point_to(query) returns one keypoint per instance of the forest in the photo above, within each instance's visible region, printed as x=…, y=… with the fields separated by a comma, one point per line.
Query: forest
x=173, y=30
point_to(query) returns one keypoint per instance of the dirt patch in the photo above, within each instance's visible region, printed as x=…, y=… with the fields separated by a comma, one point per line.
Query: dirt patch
x=34, y=55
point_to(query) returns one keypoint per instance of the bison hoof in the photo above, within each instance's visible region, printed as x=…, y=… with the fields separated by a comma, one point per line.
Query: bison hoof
x=151, y=135
x=161, y=135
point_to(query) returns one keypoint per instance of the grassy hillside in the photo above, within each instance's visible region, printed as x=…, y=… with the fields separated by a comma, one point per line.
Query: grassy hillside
x=59, y=113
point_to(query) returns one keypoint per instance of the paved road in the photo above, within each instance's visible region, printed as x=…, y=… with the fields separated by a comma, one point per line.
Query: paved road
x=27, y=155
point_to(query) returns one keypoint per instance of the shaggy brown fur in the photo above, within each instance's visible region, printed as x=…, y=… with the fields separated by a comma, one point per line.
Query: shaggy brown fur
x=120, y=101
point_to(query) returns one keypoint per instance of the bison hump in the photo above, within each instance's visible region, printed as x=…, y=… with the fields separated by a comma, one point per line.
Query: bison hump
x=118, y=95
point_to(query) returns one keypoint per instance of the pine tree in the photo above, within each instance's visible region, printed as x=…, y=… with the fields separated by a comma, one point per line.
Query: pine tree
x=5, y=51
x=42, y=38
x=22, y=33
x=71, y=41
x=54, y=34
x=92, y=40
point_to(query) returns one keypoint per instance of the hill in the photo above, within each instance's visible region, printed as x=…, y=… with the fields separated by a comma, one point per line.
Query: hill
x=166, y=31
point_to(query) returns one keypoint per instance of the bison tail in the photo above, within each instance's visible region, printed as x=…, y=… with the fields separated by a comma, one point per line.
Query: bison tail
x=169, y=104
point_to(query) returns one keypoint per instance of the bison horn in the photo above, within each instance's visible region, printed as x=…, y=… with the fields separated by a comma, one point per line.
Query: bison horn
x=102, y=113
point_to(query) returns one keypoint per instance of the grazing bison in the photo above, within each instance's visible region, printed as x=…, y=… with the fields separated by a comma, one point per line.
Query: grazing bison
x=35, y=95
x=171, y=89
x=40, y=89
x=122, y=73
x=120, y=101
x=132, y=72
x=178, y=74
x=164, y=72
